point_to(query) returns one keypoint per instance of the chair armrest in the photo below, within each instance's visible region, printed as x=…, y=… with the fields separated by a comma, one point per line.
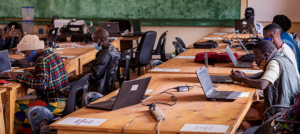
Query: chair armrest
x=287, y=121
x=272, y=107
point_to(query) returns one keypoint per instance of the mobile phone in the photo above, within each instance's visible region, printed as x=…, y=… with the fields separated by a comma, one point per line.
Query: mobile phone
x=232, y=71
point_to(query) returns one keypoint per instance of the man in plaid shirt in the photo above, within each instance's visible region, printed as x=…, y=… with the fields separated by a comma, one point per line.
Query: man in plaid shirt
x=49, y=80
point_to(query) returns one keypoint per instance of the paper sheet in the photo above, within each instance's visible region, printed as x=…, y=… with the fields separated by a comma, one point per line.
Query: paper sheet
x=68, y=56
x=220, y=33
x=166, y=70
x=186, y=57
x=245, y=94
x=204, y=128
x=212, y=38
x=251, y=71
x=147, y=91
x=82, y=121
x=19, y=71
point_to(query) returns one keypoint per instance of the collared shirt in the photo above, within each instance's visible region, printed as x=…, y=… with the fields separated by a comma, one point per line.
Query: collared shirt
x=259, y=27
x=50, y=80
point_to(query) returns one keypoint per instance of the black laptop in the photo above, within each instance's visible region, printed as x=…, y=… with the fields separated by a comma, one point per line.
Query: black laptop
x=234, y=60
x=131, y=93
x=243, y=26
x=217, y=78
x=210, y=91
x=136, y=27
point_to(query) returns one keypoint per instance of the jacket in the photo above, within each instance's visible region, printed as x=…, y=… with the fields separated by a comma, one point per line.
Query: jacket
x=8, y=43
x=103, y=70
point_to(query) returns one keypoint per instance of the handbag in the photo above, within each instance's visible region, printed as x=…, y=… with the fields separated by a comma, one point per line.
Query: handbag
x=207, y=44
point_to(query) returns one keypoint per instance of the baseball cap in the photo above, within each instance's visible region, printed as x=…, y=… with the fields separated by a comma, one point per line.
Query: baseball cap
x=249, y=11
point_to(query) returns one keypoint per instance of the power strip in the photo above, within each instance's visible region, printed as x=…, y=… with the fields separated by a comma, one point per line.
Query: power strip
x=158, y=115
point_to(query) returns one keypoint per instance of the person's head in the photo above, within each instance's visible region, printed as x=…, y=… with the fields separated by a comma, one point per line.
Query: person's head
x=262, y=51
x=283, y=21
x=30, y=46
x=249, y=13
x=100, y=38
x=272, y=32
x=16, y=28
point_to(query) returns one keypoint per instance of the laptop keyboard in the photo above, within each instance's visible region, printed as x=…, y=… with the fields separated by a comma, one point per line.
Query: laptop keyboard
x=220, y=94
x=244, y=64
x=220, y=78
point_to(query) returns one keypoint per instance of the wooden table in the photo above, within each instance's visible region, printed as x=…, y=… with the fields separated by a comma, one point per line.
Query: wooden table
x=2, y=126
x=191, y=107
x=126, y=41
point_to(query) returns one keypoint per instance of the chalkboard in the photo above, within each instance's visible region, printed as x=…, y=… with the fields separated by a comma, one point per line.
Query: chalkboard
x=150, y=12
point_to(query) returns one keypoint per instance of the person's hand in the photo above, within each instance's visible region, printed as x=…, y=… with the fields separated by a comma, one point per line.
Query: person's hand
x=6, y=34
x=73, y=78
x=254, y=66
x=238, y=76
x=30, y=71
x=11, y=75
x=14, y=33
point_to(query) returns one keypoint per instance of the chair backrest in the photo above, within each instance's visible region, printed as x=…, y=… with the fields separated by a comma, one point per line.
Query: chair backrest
x=170, y=56
x=160, y=42
x=180, y=41
x=110, y=77
x=35, y=115
x=81, y=85
x=123, y=24
x=90, y=97
x=163, y=49
x=155, y=63
x=145, y=47
x=179, y=50
x=267, y=127
x=125, y=56
x=176, y=45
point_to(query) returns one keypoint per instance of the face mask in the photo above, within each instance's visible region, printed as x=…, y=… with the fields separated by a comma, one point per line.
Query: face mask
x=32, y=55
x=96, y=45
x=249, y=18
x=269, y=39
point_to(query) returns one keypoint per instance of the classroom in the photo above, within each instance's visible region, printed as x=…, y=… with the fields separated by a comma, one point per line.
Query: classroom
x=156, y=66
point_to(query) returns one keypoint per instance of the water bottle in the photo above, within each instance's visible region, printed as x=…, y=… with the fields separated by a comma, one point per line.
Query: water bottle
x=85, y=29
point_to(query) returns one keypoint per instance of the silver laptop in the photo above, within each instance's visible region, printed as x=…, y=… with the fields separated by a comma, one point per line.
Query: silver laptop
x=217, y=78
x=235, y=62
x=209, y=90
x=4, y=62
x=92, y=29
x=110, y=27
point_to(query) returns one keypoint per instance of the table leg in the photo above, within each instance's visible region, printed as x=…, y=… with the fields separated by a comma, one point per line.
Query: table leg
x=9, y=111
x=2, y=126
x=77, y=68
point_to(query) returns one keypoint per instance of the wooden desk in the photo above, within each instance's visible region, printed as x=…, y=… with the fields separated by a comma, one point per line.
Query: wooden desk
x=2, y=126
x=191, y=108
x=127, y=40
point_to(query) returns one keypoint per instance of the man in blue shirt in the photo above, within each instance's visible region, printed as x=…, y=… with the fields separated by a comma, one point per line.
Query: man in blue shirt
x=285, y=23
x=10, y=38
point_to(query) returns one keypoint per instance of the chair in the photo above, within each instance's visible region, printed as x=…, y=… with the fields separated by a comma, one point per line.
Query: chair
x=90, y=97
x=123, y=25
x=179, y=40
x=75, y=95
x=170, y=56
x=35, y=115
x=176, y=45
x=155, y=63
x=143, y=53
x=160, y=48
x=125, y=56
x=179, y=50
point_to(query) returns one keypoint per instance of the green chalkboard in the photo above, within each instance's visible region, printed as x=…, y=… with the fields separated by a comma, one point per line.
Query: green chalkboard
x=150, y=12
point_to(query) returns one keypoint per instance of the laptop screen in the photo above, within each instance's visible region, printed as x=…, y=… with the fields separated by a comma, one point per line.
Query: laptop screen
x=110, y=27
x=52, y=34
x=205, y=81
x=92, y=29
x=206, y=61
x=136, y=26
x=4, y=61
x=229, y=52
x=243, y=46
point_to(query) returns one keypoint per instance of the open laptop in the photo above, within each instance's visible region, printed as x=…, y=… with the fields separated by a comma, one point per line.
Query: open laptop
x=92, y=29
x=209, y=90
x=131, y=93
x=52, y=35
x=217, y=78
x=244, y=26
x=243, y=45
x=136, y=27
x=234, y=60
x=110, y=27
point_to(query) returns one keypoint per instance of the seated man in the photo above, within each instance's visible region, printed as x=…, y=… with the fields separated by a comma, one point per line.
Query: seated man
x=106, y=58
x=278, y=81
x=249, y=15
x=49, y=81
x=285, y=23
x=10, y=38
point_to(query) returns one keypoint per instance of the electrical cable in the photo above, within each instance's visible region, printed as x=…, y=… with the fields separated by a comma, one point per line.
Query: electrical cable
x=158, y=126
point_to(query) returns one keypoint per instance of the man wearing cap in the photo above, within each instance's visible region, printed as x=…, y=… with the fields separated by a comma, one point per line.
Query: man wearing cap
x=49, y=81
x=249, y=15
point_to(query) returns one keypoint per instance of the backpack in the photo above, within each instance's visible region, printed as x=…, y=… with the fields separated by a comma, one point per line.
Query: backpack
x=214, y=57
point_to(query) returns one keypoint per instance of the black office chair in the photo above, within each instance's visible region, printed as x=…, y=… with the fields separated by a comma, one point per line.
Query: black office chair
x=75, y=95
x=125, y=56
x=179, y=40
x=160, y=48
x=176, y=45
x=123, y=25
x=143, y=54
x=90, y=97
x=170, y=56
x=35, y=115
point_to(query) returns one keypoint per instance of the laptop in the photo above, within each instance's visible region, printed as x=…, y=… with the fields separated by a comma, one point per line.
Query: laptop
x=131, y=93
x=244, y=26
x=52, y=35
x=235, y=62
x=209, y=90
x=217, y=78
x=92, y=29
x=136, y=27
x=110, y=27
x=243, y=45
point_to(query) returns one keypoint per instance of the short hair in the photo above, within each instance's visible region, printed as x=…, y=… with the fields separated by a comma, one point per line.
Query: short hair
x=17, y=26
x=283, y=21
x=265, y=46
x=273, y=28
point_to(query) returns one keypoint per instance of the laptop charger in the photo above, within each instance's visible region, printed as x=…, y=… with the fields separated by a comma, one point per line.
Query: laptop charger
x=158, y=115
x=182, y=88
